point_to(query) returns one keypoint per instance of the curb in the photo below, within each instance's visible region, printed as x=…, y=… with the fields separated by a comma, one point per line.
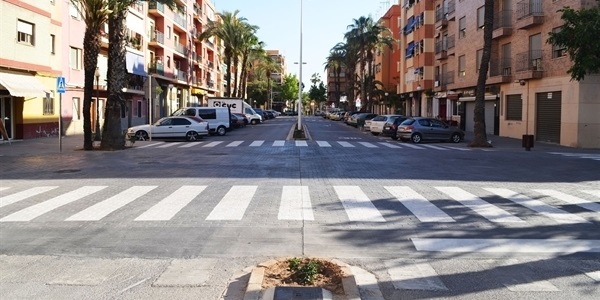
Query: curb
x=350, y=281
x=290, y=136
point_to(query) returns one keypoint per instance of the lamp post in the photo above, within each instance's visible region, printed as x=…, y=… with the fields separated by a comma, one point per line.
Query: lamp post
x=387, y=103
x=97, y=136
x=300, y=75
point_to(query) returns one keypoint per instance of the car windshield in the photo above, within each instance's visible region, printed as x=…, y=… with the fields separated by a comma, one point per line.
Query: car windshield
x=380, y=118
x=408, y=122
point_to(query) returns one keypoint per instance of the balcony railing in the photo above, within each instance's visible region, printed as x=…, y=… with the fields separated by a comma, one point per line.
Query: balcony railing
x=502, y=19
x=527, y=8
x=197, y=9
x=180, y=75
x=529, y=61
x=158, y=37
x=138, y=6
x=501, y=67
x=155, y=5
x=180, y=48
x=156, y=67
x=180, y=20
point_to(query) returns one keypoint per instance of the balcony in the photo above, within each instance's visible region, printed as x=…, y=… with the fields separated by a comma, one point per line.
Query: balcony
x=529, y=13
x=197, y=12
x=180, y=49
x=450, y=42
x=441, y=20
x=502, y=24
x=180, y=20
x=156, y=67
x=157, y=38
x=156, y=9
x=210, y=83
x=500, y=71
x=441, y=50
x=137, y=6
x=180, y=75
x=529, y=65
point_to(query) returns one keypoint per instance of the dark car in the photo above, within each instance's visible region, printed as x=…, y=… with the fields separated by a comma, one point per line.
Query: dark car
x=391, y=128
x=236, y=121
x=417, y=129
x=261, y=113
x=243, y=118
x=269, y=114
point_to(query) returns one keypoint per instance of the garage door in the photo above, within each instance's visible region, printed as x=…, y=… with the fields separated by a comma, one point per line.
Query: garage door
x=489, y=117
x=547, y=120
x=469, y=113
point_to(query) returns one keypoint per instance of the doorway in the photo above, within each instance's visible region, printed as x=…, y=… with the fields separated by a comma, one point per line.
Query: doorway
x=6, y=115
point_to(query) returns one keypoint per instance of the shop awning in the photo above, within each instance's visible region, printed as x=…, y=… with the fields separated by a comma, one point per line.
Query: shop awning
x=467, y=99
x=22, y=85
x=135, y=64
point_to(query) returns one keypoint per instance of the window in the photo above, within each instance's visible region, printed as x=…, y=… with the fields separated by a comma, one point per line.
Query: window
x=76, y=111
x=558, y=51
x=25, y=32
x=52, y=44
x=168, y=32
x=139, y=109
x=410, y=50
x=480, y=17
x=74, y=11
x=48, y=105
x=462, y=27
x=514, y=108
x=208, y=114
x=461, y=66
x=478, y=60
x=75, y=58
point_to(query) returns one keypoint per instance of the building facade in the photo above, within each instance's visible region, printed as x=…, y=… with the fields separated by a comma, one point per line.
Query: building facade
x=387, y=69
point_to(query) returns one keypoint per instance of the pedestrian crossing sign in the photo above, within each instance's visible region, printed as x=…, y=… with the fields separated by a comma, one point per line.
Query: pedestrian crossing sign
x=60, y=85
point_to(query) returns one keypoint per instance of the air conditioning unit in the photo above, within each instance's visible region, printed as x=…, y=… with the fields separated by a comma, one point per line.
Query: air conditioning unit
x=436, y=83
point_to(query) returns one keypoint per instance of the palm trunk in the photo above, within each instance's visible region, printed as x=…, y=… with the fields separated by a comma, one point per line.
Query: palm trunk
x=228, y=74
x=480, y=139
x=236, y=62
x=91, y=48
x=243, y=75
x=112, y=135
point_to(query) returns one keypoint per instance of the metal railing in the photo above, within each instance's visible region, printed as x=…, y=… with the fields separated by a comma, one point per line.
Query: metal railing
x=502, y=19
x=156, y=68
x=529, y=61
x=158, y=37
x=181, y=20
x=501, y=67
x=180, y=75
x=528, y=8
x=179, y=47
x=155, y=5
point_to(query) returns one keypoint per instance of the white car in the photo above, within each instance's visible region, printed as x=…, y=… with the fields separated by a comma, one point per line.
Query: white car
x=188, y=128
x=378, y=123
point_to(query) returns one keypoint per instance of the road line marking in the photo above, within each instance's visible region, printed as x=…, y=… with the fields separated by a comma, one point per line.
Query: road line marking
x=368, y=145
x=16, y=197
x=301, y=144
x=390, y=145
x=346, y=144
x=485, y=209
x=414, y=276
x=104, y=208
x=39, y=209
x=357, y=204
x=589, y=205
x=592, y=192
x=295, y=204
x=549, y=211
x=167, y=208
x=234, y=144
x=234, y=203
x=595, y=275
x=256, y=143
x=411, y=146
x=424, y=210
x=278, y=143
x=506, y=245
x=2, y=188
x=150, y=145
x=167, y=145
x=433, y=147
x=212, y=144
x=189, y=145
x=323, y=144
x=457, y=148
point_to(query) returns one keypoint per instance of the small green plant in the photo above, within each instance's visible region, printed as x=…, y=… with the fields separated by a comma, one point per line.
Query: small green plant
x=304, y=272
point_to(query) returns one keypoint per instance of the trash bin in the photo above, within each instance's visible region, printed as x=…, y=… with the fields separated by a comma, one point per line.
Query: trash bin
x=527, y=142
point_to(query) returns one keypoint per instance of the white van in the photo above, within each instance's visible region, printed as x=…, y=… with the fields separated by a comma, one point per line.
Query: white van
x=218, y=118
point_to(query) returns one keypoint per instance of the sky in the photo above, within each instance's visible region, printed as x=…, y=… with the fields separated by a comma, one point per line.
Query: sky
x=324, y=23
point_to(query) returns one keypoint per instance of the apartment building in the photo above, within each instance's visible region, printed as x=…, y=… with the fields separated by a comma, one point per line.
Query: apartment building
x=279, y=59
x=337, y=88
x=387, y=69
x=528, y=90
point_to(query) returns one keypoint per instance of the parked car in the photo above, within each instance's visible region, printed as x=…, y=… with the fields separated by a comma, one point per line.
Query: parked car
x=359, y=118
x=379, y=122
x=418, y=129
x=261, y=113
x=236, y=122
x=188, y=128
x=218, y=118
x=243, y=118
x=391, y=128
x=269, y=114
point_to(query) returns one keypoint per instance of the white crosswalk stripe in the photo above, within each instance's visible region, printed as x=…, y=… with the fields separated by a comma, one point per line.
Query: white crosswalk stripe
x=301, y=144
x=2, y=188
x=295, y=204
x=189, y=145
x=234, y=144
x=593, y=206
x=323, y=144
x=357, y=205
x=278, y=143
x=212, y=144
x=424, y=210
x=486, y=210
x=256, y=143
x=434, y=147
x=368, y=145
x=16, y=197
x=150, y=145
x=412, y=146
x=389, y=145
x=170, y=206
x=104, y=208
x=592, y=192
x=39, y=209
x=458, y=148
x=233, y=206
x=346, y=145
x=167, y=145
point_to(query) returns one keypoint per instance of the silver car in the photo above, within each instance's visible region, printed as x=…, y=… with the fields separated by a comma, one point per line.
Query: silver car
x=418, y=129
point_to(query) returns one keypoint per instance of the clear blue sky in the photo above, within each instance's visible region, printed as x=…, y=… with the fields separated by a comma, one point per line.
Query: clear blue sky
x=324, y=25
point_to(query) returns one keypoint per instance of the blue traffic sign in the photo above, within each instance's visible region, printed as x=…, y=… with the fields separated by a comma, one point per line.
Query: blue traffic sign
x=60, y=85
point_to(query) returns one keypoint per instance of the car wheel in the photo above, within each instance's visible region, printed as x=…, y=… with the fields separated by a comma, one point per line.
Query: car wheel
x=455, y=138
x=416, y=138
x=221, y=131
x=141, y=135
x=375, y=133
x=254, y=122
x=191, y=136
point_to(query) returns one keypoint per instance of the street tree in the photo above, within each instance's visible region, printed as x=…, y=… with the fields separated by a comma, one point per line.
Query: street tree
x=290, y=88
x=579, y=36
x=335, y=62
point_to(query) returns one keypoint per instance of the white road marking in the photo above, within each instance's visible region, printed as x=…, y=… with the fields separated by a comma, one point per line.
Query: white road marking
x=368, y=145
x=457, y=148
x=357, y=204
x=167, y=145
x=411, y=146
x=39, y=209
x=278, y=143
x=549, y=211
x=346, y=144
x=595, y=275
x=486, y=210
x=172, y=204
x=589, y=205
x=234, y=203
x=104, y=208
x=234, y=144
x=189, y=145
x=2, y=188
x=323, y=144
x=414, y=276
x=301, y=144
x=592, y=192
x=434, y=147
x=256, y=143
x=212, y=144
x=424, y=210
x=506, y=245
x=389, y=145
x=150, y=145
x=295, y=204
x=16, y=197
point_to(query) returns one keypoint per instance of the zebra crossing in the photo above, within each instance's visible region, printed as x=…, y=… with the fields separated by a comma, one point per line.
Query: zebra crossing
x=297, y=203
x=592, y=156
x=301, y=144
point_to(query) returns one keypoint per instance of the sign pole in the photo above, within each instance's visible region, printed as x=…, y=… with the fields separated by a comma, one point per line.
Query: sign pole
x=150, y=100
x=60, y=88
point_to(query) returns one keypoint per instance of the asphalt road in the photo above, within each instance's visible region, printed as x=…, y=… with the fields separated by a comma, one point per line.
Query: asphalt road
x=432, y=220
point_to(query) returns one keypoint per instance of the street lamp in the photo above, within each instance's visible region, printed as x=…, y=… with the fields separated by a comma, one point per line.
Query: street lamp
x=97, y=136
x=300, y=75
x=387, y=103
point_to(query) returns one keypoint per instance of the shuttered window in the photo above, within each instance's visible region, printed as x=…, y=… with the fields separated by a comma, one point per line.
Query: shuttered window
x=514, y=108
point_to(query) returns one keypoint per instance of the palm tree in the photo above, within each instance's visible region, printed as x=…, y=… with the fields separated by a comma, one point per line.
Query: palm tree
x=95, y=14
x=335, y=61
x=251, y=60
x=248, y=40
x=480, y=138
x=350, y=58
